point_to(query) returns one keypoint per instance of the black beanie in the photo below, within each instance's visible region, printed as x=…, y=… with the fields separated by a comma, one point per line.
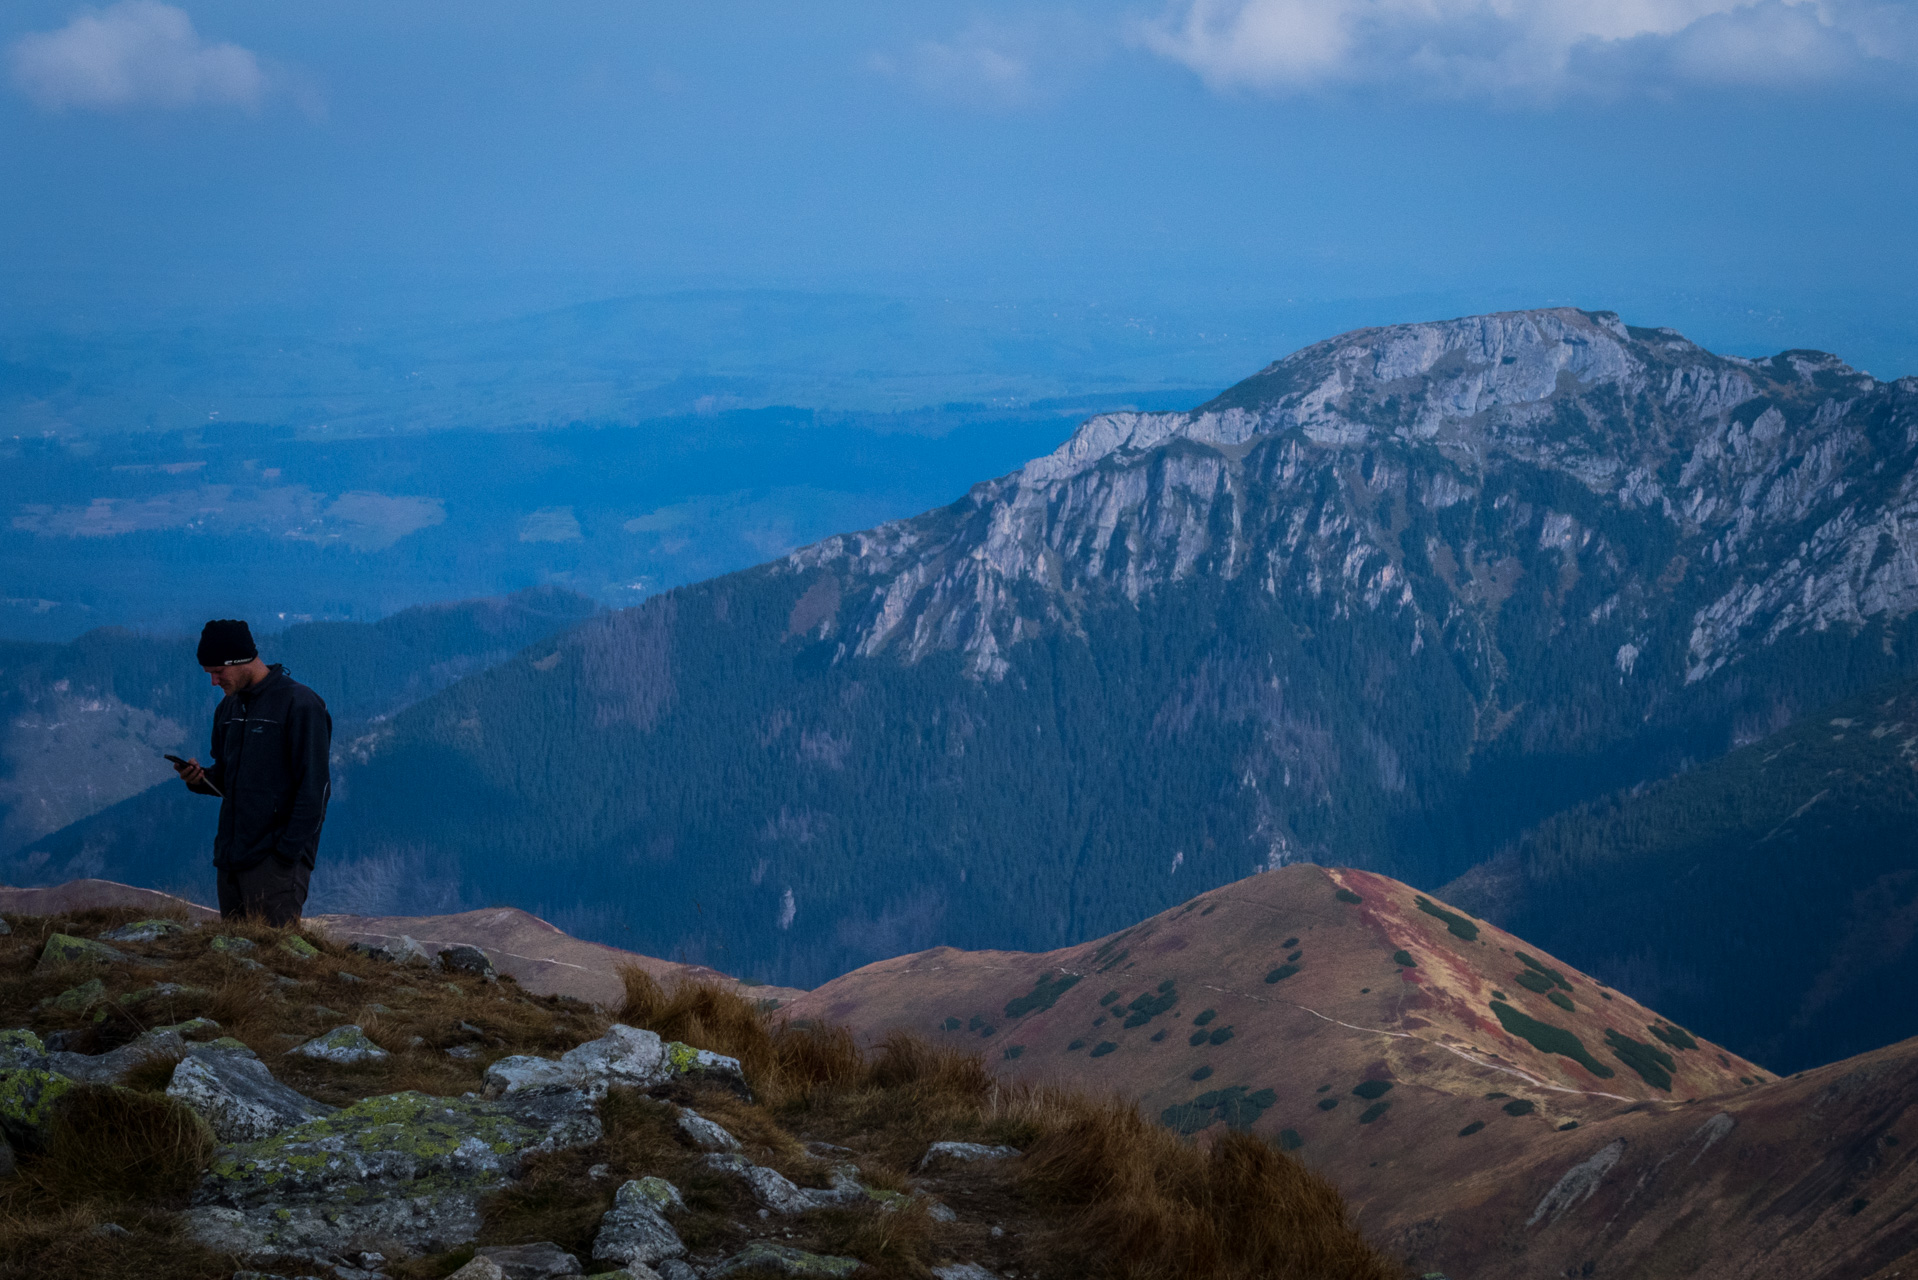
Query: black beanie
x=226, y=642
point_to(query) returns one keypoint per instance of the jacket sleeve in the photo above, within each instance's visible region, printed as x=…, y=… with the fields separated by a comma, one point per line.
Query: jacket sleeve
x=216, y=767
x=308, y=741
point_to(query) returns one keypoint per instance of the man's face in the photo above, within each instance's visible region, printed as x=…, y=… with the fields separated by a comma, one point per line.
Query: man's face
x=234, y=678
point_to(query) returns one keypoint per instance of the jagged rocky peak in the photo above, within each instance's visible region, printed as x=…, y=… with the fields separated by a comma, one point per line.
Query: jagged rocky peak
x=1299, y=479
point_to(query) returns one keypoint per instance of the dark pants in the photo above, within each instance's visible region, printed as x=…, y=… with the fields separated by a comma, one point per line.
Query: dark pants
x=271, y=889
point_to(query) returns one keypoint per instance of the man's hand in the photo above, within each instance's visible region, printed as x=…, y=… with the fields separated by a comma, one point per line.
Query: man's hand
x=191, y=773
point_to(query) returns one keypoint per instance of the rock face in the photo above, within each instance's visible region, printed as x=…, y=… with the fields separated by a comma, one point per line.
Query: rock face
x=403, y=1167
x=239, y=1097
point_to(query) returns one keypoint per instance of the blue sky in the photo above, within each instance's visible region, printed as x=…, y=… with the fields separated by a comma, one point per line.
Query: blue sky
x=1743, y=172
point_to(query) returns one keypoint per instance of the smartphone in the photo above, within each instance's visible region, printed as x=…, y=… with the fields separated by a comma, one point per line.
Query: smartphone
x=173, y=759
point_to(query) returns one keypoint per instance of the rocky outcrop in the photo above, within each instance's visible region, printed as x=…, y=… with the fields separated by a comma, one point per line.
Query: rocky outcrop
x=623, y=1056
x=239, y=1098
x=635, y=1232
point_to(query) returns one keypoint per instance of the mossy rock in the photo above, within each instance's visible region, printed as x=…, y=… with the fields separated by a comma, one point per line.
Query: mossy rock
x=299, y=948
x=28, y=1097
x=227, y=945
x=77, y=999
x=64, y=948
x=764, y=1258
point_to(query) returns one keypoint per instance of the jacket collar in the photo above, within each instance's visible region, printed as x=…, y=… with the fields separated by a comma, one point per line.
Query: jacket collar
x=274, y=675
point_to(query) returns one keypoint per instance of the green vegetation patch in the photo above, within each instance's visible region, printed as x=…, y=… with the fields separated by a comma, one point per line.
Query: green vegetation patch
x=1075, y=1046
x=1535, y=982
x=1556, y=978
x=1650, y=1061
x=1203, y=1073
x=1562, y=1000
x=1221, y=1035
x=1547, y=1038
x=1403, y=959
x=1676, y=1037
x=1281, y=973
x=1295, y=957
x=1370, y=1089
x=1519, y=1107
x=1373, y=1112
x=1459, y=926
x=1290, y=942
x=1471, y=1128
x=1014, y=1050
x=1196, y=1039
x=1289, y=1140
x=1044, y=994
x=1326, y=1104
x=1346, y=895
x=1108, y=998
x=1236, y=1106
x=1144, y=1008
x=1115, y=962
x=1205, y=1016
x=1104, y=1047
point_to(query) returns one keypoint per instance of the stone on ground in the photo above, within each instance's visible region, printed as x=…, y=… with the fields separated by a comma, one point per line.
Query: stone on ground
x=780, y=1194
x=783, y=1260
x=634, y=1232
x=704, y=1134
x=623, y=1056
x=962, y=1271
x=964, y=1152
x=343, y=1045
x=479, y=1269
x=297, y=947
x=64, y=948
x=78, y=999
x=530, y=1261
x=239, y=1097
x=465, y=959
x=144, y=931
x=27, y=1098
x=226, y=944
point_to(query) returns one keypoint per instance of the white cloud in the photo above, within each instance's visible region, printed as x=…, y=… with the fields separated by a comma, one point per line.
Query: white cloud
x=138, y=53
x=996, y=65
x=1530, y=47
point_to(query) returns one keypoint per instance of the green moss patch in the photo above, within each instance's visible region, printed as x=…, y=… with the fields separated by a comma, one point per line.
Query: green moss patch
x=1457, y=924
x=1547, y=1038
x=1236, y=1106
x=1652, y=1063
x=1044, y=994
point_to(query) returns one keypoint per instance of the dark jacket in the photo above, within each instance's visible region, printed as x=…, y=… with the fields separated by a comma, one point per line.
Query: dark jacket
x=269, y=760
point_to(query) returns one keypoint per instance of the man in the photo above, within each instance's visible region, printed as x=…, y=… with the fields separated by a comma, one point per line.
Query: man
x=271, y=736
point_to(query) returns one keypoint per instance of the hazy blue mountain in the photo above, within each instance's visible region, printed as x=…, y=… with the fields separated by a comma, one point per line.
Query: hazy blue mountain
x=1390, y=602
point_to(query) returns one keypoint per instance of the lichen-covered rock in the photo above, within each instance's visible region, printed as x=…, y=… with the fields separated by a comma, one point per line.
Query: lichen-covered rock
x=465, y=959
x=962, y=1271
x=297, y=947
x=623, y=1056
x=704, y=1134
x=703, y=1064
x=529, y=1261
x=227, y=945
x=161, y=1042
x=784, y=1260
x=22, y=1049
x=401, y=1168
x=64, y=948
x=144, y=931
x=133, y=1000
x=634, y=1231
x=27, y=1098
x=964, y=1153
x=344, y=1045
x=479, y=1269
x=407, y=951
x=77, y=999
x=664, y=1195
x=239, y=1097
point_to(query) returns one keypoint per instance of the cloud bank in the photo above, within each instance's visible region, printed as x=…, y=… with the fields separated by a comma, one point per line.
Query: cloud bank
x=138, y=53
x=1532, y=47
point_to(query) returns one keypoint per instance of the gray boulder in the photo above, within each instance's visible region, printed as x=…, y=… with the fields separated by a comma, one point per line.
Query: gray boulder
x=671, y=1269
x=465, y=959
x=64, y=948
x=623, y=1056
x=634, y=1232
x=239, y=1097
x=400, y=1169
x=962, y=1271
x=344, y=1045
